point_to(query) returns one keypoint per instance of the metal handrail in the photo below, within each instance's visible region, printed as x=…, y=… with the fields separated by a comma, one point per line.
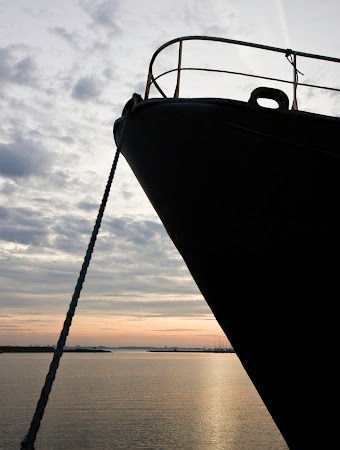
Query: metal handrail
x=247, y=75
x=288, y=53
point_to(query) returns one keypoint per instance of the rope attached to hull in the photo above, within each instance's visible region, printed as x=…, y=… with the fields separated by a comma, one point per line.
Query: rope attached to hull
x=29, y=440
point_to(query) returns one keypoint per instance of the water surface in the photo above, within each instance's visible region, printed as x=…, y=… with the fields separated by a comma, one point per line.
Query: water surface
x=129, y=399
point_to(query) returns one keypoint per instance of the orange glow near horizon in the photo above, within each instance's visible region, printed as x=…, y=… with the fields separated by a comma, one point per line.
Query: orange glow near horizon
x=113, y=331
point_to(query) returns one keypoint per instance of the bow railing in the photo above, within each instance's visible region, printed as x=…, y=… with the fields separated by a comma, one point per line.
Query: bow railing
x=290, y=54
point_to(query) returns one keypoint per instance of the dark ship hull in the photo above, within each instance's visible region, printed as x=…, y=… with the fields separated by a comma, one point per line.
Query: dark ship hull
x=250, y=198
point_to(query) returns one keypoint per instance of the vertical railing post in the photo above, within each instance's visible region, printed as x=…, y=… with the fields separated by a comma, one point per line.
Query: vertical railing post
x=148, y=84
x=295, y=104
x=176, y=94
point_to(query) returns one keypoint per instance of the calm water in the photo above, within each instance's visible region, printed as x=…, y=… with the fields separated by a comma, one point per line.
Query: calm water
x=136, y=400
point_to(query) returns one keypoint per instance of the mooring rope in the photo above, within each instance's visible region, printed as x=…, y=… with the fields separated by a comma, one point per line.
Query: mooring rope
x=29, y=440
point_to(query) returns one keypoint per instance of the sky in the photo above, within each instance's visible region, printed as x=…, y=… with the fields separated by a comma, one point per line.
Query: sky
x=67, y=67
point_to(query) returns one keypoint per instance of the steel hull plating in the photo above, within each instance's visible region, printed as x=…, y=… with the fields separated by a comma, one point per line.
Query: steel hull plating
x=250, y=198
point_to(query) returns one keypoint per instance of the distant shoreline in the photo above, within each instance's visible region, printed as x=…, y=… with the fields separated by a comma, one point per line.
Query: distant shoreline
x=50, y=349
x=32, y=349
x=161, y=350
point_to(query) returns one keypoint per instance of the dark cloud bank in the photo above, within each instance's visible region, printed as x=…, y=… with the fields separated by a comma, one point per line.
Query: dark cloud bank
x=22, y=158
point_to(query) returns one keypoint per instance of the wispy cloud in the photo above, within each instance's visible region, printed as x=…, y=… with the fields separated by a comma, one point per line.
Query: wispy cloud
x=69, y=36
x=15, y=68
x=86, y=89
x=102, y=13
x=142, y=308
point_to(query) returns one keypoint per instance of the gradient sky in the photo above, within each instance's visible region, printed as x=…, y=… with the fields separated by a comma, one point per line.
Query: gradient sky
x=67, y=68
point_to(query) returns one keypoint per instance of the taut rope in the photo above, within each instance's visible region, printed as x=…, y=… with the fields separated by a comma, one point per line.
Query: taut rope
x=28, y=442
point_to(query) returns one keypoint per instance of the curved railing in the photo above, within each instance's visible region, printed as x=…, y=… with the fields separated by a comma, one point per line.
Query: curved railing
x=290, y=54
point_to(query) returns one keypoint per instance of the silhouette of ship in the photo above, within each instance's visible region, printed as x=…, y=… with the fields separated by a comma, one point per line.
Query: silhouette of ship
x=250, y=197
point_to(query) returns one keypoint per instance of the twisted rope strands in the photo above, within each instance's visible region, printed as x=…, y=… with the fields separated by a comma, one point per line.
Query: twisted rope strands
x=28, y=442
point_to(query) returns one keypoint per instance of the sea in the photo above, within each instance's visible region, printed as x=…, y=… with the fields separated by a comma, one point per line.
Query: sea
x=135, y=399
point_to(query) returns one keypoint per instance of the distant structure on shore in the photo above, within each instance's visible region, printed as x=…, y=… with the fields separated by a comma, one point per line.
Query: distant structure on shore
x=193, y=350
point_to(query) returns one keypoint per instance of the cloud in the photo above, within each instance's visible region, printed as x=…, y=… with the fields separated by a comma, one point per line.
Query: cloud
x=3, y=213
x=140, y=232
x=85, y=89
x=22, y=225
x=65, y=139
x=70, y=233
x=17, y=70
x=176, y=330
x=22, y=158
x=88, y=206
x=23, y=235
x=70, y=37
x=156, y=308
x=8, y=188
x=102, y=13
x=133, y=259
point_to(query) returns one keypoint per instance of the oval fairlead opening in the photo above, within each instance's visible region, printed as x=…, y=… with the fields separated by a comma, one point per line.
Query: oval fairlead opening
x=271, y=94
